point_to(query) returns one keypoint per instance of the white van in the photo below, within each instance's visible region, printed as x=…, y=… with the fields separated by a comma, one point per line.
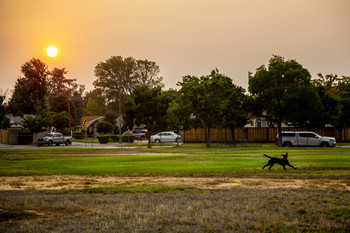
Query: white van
x=305, y=138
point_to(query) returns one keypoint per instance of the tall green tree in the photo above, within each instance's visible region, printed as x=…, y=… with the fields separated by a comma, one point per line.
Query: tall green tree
x=335, y=96
x=148, y=107
x=58, y=83
x=94, y=107
x=272, y=86
x=39, y=123
x=4, y=121
x=41, y=88
x=304, y=108
x=147, y=74
x=209, y=101
x=59, y=103
x=60, y=120
x=237, y=112
x=30, y=91
x=173, y=114
x=118, y=76
x=77, y=104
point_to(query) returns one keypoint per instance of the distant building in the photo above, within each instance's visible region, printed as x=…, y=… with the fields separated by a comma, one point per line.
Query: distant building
x=17, y=121
x=92, y=122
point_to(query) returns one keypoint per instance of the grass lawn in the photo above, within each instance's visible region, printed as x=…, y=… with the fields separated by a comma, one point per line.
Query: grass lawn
x=138, y=207
x=176, y=161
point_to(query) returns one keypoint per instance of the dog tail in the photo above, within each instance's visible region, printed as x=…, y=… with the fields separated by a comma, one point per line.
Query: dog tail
x=267, y=156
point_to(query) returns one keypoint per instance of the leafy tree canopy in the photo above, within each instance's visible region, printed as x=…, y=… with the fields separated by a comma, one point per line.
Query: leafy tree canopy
x=274, y=87
x=41, y=88
x=335, y=97
x=211, y=100
x=104, y=127
x=4, y=121
x=38, y=123
x=31, y=89
x=94, y=107
x=148, y=107
x=118, y=76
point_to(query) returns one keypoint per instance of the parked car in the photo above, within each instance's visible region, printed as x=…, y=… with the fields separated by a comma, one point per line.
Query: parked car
x=166, y=137
x=305, y=138
x=54, y=138
x=139, y=132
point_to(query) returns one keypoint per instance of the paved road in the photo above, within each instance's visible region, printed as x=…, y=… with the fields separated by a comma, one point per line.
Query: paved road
x=83, y=145
x=75, y=145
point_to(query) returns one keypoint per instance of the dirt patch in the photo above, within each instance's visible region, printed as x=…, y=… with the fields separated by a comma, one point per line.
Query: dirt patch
x=82, y=182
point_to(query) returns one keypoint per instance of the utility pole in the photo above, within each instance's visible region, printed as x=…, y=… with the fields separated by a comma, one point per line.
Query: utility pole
x=69, y=121
x=120, y=119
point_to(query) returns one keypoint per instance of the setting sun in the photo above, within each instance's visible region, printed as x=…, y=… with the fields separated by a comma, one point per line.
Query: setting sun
x=51, y=51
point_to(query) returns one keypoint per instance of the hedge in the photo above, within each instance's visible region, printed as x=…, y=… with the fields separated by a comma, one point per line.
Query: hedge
x=103, y=139
x=125, y=138
x=78, y=135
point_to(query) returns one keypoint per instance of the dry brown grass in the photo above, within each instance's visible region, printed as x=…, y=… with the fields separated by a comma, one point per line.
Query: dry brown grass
x=232, y=210
x=58, y=182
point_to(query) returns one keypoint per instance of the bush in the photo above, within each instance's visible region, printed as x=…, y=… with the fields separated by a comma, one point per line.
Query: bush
x=103, y=139
x=78, y=135
x=128, y=138
x=104, y=127
x=125, y=138
x=114, y=138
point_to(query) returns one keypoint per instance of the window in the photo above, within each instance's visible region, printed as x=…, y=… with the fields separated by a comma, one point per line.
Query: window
x=261, y=124
x=288, y=134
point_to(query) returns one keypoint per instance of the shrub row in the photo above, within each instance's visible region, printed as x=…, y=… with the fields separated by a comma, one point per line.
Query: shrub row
x=104, y=139
x=78, y=135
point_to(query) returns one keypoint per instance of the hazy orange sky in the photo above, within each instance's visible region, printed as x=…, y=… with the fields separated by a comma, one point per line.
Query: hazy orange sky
x=184, y=37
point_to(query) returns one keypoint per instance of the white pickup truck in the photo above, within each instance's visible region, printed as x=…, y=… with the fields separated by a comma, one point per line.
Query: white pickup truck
x=305, y=138
x=54, y=138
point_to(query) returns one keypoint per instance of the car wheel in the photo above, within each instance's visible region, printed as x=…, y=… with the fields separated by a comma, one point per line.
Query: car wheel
x=157, y=141
x=67, y=143
x=177, y=140
x=287, y=144
x=49, y=143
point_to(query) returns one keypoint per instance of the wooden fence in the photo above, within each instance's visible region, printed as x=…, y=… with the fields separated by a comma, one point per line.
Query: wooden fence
x=256, y=134
x=4, y=136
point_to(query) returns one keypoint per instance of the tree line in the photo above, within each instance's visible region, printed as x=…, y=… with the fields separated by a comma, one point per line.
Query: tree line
x=281, y=92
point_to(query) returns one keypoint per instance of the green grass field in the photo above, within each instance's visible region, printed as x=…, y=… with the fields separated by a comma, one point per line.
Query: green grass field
x=141, y=207
x=178, y=161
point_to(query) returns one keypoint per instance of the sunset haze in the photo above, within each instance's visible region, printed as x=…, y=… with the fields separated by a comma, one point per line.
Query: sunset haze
x=184, y=37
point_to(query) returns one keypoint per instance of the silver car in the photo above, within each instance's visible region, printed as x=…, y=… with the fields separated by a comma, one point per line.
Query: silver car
x=166, y=137
x=305, y=138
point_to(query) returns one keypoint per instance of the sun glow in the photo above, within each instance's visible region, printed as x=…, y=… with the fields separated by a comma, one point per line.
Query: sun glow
x=51, y=51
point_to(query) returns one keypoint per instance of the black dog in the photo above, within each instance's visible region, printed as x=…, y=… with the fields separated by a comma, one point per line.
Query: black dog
x=283, y=162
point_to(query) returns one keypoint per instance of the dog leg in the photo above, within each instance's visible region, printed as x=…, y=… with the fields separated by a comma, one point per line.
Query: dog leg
x=270, y=167
x=291, y=166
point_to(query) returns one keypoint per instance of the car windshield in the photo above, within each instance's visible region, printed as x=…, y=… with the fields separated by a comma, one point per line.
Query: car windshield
x=49, y=135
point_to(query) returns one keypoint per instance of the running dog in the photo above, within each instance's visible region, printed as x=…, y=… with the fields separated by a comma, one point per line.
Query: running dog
x=281, y=161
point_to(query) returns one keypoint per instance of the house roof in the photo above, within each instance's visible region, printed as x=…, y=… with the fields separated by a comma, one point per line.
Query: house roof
x=17, y=119
x=91, y=119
